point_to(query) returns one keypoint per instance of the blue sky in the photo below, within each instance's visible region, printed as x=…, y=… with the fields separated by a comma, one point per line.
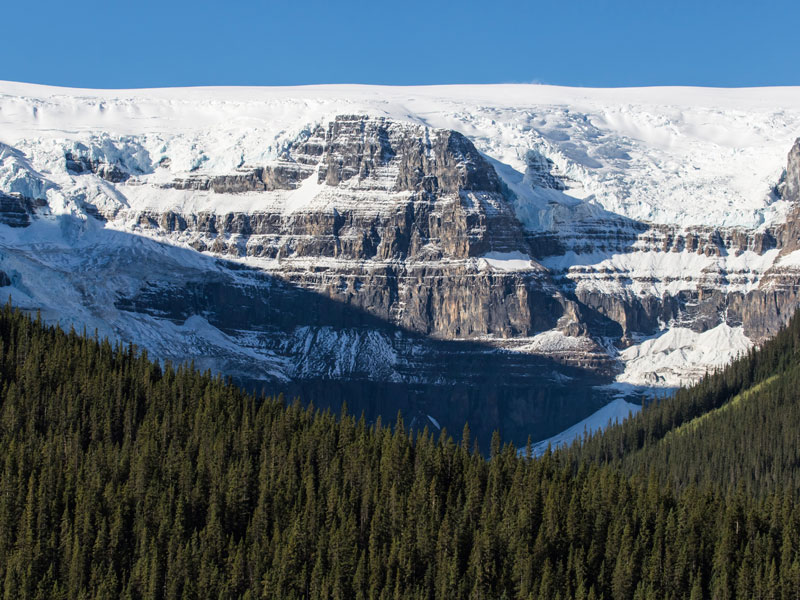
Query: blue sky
x=250, y=42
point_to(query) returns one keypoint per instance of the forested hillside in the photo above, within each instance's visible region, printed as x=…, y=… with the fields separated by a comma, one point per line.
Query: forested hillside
x=738, y=428
x=123, y=479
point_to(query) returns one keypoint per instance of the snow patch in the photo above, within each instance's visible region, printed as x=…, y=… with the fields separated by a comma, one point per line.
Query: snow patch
x=680, y=356
x=615, y=411
x=790, y=260
x=553, y=341
x=304, y=195
x=507, y=261
x=17, y=176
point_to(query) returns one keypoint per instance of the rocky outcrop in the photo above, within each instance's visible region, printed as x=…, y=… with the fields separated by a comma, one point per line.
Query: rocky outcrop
x=16, y=210
x=540, y=172
x=418, y=227
x=282, y=176
x=382, y=154
x=790, y=186
x=695, y=277
x=115, y=160
x=79, y=165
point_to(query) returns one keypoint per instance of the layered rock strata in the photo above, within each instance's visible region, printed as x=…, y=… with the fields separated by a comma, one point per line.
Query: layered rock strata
x=390, y=258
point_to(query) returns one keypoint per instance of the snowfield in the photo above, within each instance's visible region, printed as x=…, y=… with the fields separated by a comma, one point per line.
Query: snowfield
x=674, y=155
x=680, y=356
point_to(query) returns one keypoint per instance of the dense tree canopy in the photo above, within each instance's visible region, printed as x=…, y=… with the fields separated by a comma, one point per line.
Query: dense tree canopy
x=123, y=478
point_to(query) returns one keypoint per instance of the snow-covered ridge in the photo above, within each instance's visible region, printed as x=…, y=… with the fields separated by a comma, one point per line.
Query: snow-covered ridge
x=683, y=156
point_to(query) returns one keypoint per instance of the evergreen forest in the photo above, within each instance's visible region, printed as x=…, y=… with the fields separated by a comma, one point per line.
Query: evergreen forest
x=124, y=478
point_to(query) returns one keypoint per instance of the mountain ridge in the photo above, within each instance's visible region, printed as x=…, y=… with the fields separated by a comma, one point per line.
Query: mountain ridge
x=499, y=228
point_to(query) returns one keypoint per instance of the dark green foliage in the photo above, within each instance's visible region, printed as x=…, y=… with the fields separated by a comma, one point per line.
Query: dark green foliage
x=738, y=427
x=122, y=479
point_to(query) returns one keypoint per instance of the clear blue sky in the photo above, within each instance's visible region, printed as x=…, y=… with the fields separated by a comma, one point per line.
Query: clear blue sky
x=250, y=42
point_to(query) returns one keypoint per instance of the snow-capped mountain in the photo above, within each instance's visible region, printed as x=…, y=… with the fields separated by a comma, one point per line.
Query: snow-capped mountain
x=508, y=255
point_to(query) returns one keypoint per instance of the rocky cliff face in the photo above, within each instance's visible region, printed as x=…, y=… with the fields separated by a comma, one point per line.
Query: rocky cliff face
x=401, y=222
x=439, y=208
x=696, y=277
x=388, y=264
x=790, y=185
x=415, y=227
x=16, y=210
